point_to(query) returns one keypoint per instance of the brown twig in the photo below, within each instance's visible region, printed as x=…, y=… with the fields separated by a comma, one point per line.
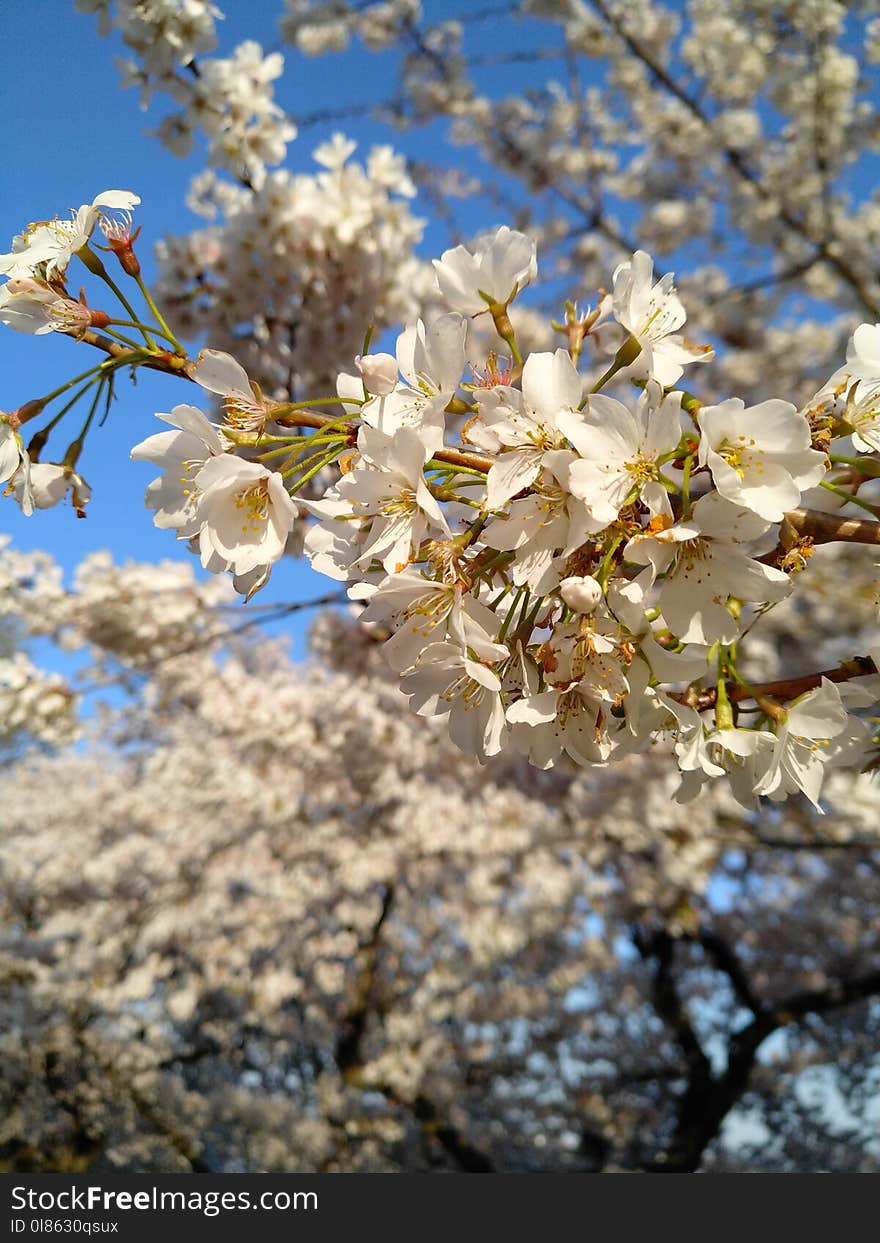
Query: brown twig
x=785, y=688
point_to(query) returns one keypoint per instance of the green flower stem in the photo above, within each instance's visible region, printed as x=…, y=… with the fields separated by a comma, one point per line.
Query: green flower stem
x=520, y=591
x=604, y=571
x=74, y=449
x=129, y=309
x=867, y=465
x=290, y=407
x=290, y=447
x=325, y=461
x=686, y=484
x=669, y=484
x=134, y=323
x=119, y=336
x=493, y=604
x=723, y=708
x=301, y=462
x=504, y=327
x=441, y=494
x=160, y=319
x=39, y=438
x=851, y=497
x=500, y=559
x=102, y=368
x=627, y=354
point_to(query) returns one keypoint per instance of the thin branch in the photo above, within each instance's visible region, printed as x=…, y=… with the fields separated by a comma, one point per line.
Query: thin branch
x=349, y=1052
x=268, y=614
x=708, y=1099
x=785, y=688
x=825, y=528
x=733, y=158
x=725, y=959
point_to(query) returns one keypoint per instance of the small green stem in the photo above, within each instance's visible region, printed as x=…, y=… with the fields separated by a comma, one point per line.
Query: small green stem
x=627, y=354
x=291, y=407
x=160, y=318
x=129, y=309
x=851, y=498
x=119, y=336
x=307, y=461
x=686, y=485
x=493, y=604
x=723, y=708
x=604, y=570
x=505, y=626
x=867, y=465
x=101, y=367
x=133, y=323
x=289, y=446
x=325, y=461
x=74, y=449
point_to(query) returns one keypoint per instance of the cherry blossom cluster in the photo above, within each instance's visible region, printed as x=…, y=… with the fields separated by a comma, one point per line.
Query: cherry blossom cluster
x=564, y=570
x=555, y=571
x=731, y=133
x=34, y=704
x=330, y=27
x=228, y=99
x=287, y=276
x=187, y=975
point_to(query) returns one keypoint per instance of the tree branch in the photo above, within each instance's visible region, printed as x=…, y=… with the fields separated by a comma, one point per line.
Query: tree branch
x=785, y=688
x=734, y=158
x=708, y=1099
x=825, y=528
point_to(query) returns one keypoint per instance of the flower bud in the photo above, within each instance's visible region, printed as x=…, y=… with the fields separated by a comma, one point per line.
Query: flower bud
x=581, y=594
x=379, y=373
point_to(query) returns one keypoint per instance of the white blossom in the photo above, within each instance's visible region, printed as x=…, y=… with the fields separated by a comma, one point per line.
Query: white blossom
x=50, y=245
x=180, y=454
x=446, y=682
x=243, y=512
x=469, y=281
x=704, y=560
x=759, y=456
x=653, y=313
x=620, y=451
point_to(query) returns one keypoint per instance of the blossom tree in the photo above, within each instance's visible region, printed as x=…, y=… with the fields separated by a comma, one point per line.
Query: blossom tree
x=572, y=535
x=380, y=957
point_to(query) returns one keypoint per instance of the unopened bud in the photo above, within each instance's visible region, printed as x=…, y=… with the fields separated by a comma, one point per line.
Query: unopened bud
x=581, y=594
x=121, y=240
x=379, y=373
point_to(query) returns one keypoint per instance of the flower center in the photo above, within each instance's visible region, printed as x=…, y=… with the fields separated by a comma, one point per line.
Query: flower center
x=741, y=456
x=660, y=321
x=642, y=469
x=68, y=314
x=401, y=504
x=428, y=611
x=242, y=414
x=865, y=412
x=254, y=504
x=466, y=689
x=189, y=469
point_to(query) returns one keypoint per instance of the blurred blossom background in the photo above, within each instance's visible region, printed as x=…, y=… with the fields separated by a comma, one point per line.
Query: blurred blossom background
x=258, y=917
